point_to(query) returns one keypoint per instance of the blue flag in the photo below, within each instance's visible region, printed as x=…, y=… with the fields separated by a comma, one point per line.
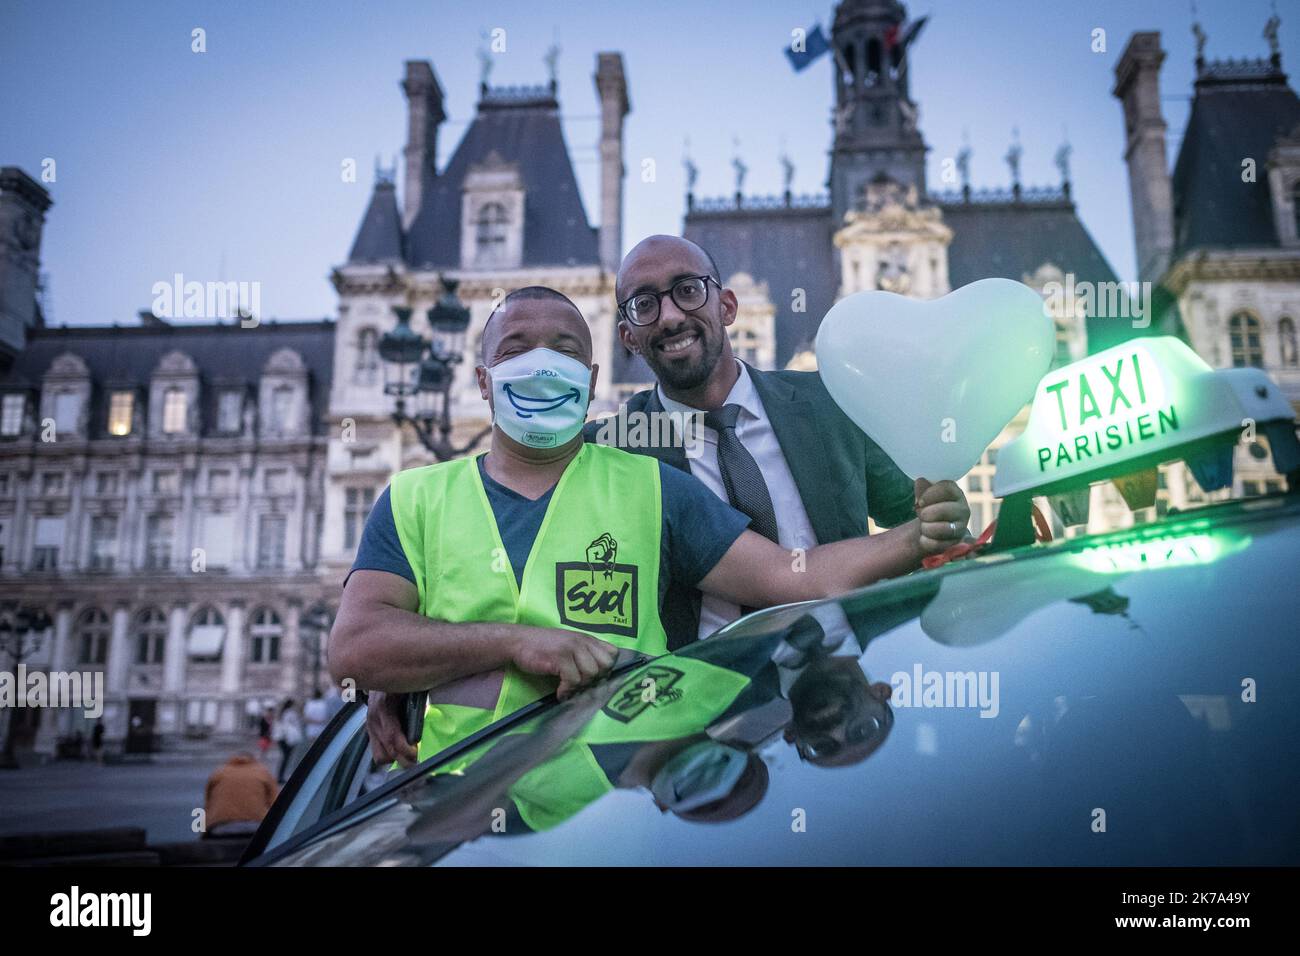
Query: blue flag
x=815, y=44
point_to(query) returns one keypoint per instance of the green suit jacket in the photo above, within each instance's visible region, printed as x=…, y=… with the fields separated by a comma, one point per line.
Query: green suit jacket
x=842, y=475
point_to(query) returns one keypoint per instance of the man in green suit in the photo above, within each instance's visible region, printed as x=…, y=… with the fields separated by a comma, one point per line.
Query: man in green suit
x=773, y=444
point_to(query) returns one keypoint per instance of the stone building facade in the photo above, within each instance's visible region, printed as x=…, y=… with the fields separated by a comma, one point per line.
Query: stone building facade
x=161, y=496
x=1217, y=235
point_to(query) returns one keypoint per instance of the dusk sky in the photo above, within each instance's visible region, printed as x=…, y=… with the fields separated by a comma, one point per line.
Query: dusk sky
x=226, y=164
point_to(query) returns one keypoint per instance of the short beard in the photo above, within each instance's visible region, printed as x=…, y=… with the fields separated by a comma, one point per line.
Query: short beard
x=687, y=378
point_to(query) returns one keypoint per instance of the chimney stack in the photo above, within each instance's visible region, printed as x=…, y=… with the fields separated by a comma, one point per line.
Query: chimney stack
x=612, y=87
x=23, y=202
x=425, y=104
x=1137, y=86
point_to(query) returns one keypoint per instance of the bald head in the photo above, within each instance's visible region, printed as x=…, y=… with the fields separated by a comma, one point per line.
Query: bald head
x=685, y=350
x=652, y=259
x=535, y=317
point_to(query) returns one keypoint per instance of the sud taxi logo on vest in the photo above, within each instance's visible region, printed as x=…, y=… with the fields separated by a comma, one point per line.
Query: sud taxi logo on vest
x=598, y=594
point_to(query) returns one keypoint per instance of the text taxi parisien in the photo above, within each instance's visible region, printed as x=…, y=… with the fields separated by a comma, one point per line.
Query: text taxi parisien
x=1106, y=405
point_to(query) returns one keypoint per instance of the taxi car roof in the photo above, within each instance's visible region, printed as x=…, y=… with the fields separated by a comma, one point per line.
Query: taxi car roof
x=898, y=605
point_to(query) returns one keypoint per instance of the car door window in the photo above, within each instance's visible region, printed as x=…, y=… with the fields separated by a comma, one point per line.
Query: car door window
x=334, y=772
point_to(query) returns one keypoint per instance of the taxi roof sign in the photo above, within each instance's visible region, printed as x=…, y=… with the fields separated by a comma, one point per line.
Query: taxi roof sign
x=1131, y=407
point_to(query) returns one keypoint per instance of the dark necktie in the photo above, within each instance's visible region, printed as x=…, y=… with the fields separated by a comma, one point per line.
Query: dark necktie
x=746, y=489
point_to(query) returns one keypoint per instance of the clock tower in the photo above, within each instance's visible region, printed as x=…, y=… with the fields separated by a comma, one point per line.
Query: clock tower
x=23, y=202
x=876, y=134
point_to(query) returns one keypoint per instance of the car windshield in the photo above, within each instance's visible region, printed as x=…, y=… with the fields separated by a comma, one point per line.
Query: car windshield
x=1008, y=709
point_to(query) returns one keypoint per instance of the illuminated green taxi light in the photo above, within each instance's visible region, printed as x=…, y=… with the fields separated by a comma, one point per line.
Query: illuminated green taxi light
x=1144, y=401
x=1106, y=407
x=1161, y=552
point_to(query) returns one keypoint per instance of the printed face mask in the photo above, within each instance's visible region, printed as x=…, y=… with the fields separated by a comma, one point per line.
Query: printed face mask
x=701, y=774
x=540, y=398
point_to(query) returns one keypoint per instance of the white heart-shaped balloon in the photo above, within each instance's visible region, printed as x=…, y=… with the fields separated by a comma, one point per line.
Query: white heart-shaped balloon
x=934, y=382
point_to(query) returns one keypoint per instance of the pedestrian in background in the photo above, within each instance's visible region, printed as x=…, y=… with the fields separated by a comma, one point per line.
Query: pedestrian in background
x=238, y=795
x=264, y=730
x=315, y=715
x=287, y=732
x=97, y=742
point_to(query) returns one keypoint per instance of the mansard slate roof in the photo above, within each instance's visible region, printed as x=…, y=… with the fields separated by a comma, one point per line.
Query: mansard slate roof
x=223, y=353
x=513, y=126
x=994, y=234
x=788, y=248
x=1240, y=110
x=380, y=237
x=1010, y=239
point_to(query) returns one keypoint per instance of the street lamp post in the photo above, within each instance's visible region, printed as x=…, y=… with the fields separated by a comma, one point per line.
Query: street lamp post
x=314, y=631
x=21, y=633
x=421, y=372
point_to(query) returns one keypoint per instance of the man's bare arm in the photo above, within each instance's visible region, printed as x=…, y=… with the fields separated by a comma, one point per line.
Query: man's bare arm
x=755, y=572
x=382, y=642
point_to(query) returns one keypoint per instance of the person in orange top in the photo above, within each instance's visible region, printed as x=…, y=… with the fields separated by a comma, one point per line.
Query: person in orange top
x=238, y=795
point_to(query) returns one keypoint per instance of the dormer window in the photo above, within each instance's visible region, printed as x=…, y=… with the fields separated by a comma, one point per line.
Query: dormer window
x=282, y=406
x=175, y=409
x=230, y=410
x=67, y=409
x=11, y=415
x=121, y=406
x=492, y=215
x=491, y=233
x=65, y=395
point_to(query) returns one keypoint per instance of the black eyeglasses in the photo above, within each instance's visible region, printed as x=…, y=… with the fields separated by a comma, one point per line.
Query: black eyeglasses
x=689, y=294
x=857, y=730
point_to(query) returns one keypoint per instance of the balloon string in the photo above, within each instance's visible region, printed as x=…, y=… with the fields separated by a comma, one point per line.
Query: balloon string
x=965, y=549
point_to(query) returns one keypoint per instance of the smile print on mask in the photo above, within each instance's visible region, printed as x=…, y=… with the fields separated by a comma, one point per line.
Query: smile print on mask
x=540, y=397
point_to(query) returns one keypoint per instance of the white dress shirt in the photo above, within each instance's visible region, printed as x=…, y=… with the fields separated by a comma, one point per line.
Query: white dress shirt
x=755, y=432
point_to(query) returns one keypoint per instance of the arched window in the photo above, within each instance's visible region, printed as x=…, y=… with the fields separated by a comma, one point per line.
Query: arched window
x=207, y=635
x=1287, y=341
x=150, y=636
x=367, y=366
x=1243, y=330
x=264, y=637
x=93, y=631
x=491, y=225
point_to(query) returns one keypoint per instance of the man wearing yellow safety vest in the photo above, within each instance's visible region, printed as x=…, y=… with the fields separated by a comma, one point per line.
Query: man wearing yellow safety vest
x=496, y=579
